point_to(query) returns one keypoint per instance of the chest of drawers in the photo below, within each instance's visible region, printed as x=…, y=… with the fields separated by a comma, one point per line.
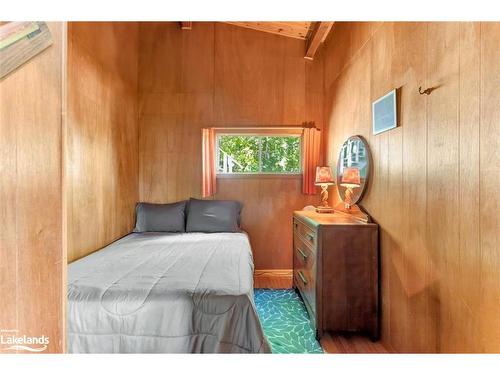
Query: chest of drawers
x=335, y=261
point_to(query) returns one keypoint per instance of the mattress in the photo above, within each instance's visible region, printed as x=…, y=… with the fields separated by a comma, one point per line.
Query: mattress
x=165, y=293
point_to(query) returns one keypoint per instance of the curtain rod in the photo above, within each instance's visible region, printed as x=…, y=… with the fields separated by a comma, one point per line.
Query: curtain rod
x=298, y=127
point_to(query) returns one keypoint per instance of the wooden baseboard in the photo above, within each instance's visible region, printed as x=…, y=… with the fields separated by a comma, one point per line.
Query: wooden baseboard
x=273, y=279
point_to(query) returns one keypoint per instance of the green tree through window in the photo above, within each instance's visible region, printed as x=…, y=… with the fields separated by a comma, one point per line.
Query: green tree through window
x=258, y=154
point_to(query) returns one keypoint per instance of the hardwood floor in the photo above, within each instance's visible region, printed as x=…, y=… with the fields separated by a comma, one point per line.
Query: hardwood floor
x=344, y=344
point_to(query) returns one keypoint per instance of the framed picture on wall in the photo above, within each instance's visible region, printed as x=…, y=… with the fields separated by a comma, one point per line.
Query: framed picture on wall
x=384, y=113
x=21, y=41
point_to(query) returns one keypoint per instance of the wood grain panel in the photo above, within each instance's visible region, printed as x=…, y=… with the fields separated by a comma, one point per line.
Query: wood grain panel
x=435, y=183
x=222, y=75
x=386, y=73
x=442, y=178
x=176, y=102
x=410, y=262
x=259, y=78
x=31, y=249
x=469, y=255
x=268, y=205
x=489, y=190
x=8, y=194
x=314, y=96
x=102, y=134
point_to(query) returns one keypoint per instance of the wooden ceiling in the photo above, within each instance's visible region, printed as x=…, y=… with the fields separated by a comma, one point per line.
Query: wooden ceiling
x=297, y=30
x=312, y=33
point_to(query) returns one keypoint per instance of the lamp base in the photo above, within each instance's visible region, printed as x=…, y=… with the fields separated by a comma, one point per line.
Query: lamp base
x=324, y=209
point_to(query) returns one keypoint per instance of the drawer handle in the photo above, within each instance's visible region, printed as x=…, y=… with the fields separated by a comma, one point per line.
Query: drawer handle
x=311, y=237
x=304, y=255
x=302, y=277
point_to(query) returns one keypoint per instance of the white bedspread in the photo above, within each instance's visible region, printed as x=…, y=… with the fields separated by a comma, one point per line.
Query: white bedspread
x=165, y=293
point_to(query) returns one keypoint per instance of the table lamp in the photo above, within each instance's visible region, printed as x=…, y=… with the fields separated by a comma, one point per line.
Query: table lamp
x=324, y=178
x=350, y=180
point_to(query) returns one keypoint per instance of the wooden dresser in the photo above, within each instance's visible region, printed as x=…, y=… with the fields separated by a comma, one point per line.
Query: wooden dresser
x=335, y=270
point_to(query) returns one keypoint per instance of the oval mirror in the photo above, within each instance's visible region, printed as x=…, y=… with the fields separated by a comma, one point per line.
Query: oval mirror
x=353, y=170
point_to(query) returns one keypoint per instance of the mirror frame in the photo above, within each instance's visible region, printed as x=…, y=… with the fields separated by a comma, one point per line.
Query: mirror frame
x=368, y=172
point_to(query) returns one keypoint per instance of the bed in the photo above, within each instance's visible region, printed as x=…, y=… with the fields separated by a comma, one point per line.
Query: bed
x=165, y=293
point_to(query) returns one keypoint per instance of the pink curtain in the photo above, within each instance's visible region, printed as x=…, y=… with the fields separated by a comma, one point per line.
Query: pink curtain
x=311, y=149
x=209, y=186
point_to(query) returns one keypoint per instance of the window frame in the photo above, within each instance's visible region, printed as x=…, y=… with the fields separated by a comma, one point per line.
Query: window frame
x=260, y=134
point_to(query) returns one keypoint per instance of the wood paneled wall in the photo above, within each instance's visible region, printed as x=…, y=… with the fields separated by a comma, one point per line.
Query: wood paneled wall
x=436, y=179
x=102, y=135
x=222, y=75
x=32, y=263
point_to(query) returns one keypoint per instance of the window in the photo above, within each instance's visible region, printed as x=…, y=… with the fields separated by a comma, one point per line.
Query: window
x=258, y=154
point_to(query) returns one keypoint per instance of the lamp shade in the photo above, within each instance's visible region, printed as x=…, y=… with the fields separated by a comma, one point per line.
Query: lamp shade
x=351, y=178
x=324, y=176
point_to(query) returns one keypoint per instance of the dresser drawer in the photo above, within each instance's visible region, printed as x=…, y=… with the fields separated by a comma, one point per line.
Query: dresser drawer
x=304, y=265
x=304, y=250
x=306, y=233
x=304, y=280
x=308, y=281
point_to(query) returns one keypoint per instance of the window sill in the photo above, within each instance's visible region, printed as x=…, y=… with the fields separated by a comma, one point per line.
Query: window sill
x=259, y=175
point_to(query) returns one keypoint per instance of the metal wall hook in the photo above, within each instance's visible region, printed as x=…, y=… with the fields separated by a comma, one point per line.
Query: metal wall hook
x=426, y=91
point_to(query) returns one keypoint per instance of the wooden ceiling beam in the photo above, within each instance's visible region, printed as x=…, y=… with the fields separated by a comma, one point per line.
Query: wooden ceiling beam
x=317, y=36
x=298, y=30
x=186, y=25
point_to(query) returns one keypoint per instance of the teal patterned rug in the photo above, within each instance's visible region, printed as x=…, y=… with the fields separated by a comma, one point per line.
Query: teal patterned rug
x=285, y=321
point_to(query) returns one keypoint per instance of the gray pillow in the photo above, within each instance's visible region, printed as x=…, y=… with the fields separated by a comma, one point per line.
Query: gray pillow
x=213, y=216
x=160, y=217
